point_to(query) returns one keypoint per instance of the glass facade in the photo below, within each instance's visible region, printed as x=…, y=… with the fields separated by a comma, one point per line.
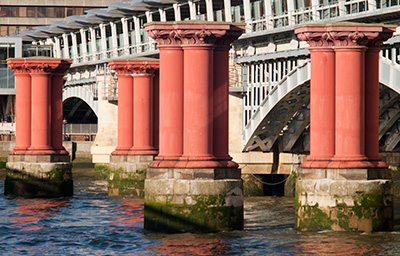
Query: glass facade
x=7, y=50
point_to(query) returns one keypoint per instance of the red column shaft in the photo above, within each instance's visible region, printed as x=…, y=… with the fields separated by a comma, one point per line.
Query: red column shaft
x=221, y=107
x=198, y=107
x=350, y=104
x=171, y=106
x=322, y=107
x=125, y=114
x=143, y=115
x=156, y=110
x=57, y=83
x=372, y=106
x=22, y=113
x=40, y=133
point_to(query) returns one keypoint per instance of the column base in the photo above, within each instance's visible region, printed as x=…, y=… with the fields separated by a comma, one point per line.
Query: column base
x=344, y=200
x=121, y=151
x=127, y=174
x=143, y=151
x=46, y=176
x=186, y=200
x=344, y=164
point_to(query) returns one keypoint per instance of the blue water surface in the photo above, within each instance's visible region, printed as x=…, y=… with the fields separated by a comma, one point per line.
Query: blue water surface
x=92, y=223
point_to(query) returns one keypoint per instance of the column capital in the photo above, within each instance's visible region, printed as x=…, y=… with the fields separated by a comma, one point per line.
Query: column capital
x=135, y=66
x=344, y=34
x=18, y=66
x=194, y=32
x=38, y=65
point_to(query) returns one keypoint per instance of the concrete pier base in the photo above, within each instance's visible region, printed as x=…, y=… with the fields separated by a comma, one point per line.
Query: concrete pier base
x=127, y=174
x=39, y=176
x=333, y=199
x=186, y=200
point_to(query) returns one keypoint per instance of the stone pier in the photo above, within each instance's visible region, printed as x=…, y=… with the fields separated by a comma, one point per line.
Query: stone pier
x=136, y=149
x=39, y=166
x=192, y=185
x=344, y=185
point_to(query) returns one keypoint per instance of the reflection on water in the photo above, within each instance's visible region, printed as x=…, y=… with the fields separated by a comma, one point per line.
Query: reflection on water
x=91, y=223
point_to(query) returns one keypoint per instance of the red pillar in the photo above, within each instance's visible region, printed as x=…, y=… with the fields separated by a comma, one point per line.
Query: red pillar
x=322, y=103
x=221, y=106
x=125, y=107
x=156, y=111
x=39, y=105
x=198, y=107
x=23, y=106
x=187, y=112
x=372, y=107
x=356, y=100
x=57, y=83
x=143, y=115
x=41, y=130
x=171, y=106
x=350, y=107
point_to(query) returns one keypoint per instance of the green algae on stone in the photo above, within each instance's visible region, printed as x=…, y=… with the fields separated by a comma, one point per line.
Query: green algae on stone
x=209, y=213
x=101, y=172
x=121, y=183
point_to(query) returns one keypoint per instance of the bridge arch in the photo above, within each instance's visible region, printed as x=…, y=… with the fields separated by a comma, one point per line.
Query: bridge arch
x=82, y=93
x=285, y=111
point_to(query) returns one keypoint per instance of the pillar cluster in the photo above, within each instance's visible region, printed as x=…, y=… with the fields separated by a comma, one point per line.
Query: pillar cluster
x=193, y=93
x=136, y=124
x=39, y=165
x=344, y=185
x=193, y=184
x=39, y=83
x=344, y=94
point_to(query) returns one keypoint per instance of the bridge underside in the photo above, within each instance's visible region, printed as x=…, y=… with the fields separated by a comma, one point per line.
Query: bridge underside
x=75, y=110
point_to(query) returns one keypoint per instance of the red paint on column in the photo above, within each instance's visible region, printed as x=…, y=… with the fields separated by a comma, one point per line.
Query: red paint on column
x=41, y=130
x=372, y=107
x=23, y=106
x=156, y=110
x=171, y=106
x=322, y=107
x=350, y=108
x=57, y=83
x=221, y=107
x=198, y=107
x=143, y=115
x=187, y=122
x=125, y=114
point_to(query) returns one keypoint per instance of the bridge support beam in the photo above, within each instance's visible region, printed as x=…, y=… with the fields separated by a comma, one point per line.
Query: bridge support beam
x=193, y=185
x=135, y=151
x=39, y=166
x=348, y=188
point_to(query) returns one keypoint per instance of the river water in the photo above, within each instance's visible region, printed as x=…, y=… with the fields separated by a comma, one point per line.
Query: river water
x=92, y=223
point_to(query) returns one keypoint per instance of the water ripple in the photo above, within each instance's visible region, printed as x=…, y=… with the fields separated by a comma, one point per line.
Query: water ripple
x=91, y=223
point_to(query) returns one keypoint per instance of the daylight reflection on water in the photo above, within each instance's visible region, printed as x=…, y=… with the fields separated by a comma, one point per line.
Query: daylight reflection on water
x=92, y=223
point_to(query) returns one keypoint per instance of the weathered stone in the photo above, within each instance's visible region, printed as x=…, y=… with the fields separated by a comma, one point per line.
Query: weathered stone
x=127, y=174
x=182, y=205
x=33, y=178
x=344, y=205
